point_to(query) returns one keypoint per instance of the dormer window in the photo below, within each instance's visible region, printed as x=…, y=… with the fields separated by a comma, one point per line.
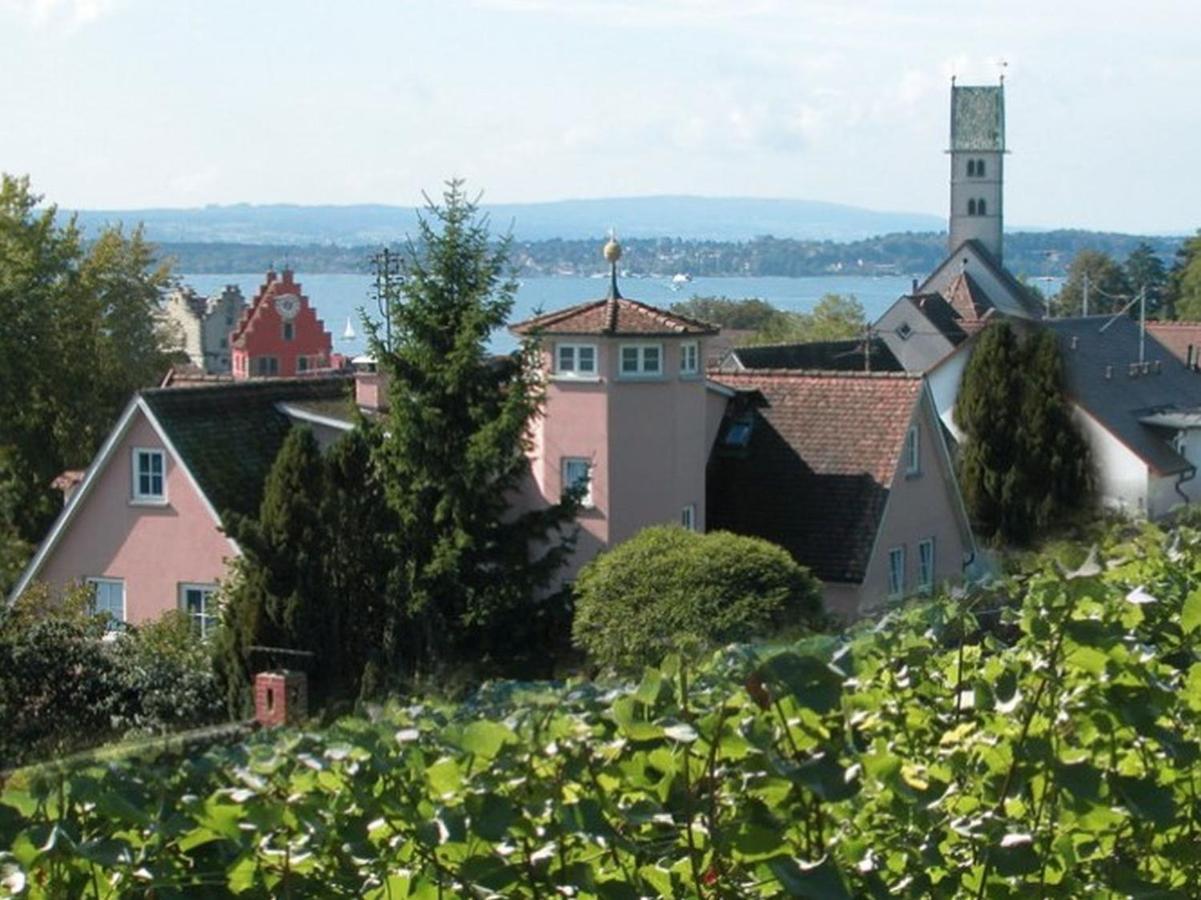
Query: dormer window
x=149, y=482
x=904, y=330
x=575, y=359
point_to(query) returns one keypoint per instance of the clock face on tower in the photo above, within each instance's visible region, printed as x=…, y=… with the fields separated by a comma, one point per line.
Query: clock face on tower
x=287, y=305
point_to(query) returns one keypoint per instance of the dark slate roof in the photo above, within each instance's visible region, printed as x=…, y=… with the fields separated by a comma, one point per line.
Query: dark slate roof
x=614, y=316
x=819, y=464
x=978, y=118
x=228, y=435
x=942, y=315
x=1121, y=401
x=827, y=356
x=1018, y=302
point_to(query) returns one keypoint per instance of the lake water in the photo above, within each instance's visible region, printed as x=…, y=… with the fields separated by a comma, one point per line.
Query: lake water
x=339, y=297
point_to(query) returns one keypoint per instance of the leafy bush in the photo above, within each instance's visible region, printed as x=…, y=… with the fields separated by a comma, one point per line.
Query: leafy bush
x=667, y=586
x=921, y=756
x=65, y=685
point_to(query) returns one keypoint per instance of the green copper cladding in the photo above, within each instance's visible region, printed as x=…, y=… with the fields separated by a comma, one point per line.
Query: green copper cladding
x=978, y=118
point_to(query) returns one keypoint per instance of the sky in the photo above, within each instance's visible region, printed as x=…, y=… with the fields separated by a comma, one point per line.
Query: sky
x=121, y=104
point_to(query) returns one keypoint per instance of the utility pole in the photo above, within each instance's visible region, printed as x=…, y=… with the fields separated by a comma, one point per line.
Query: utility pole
x=1142, y=325
x=386, y=289
x=867, y=349
x=1086, y=293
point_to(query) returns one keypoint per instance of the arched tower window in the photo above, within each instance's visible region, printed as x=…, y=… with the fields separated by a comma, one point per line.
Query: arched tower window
x=980, y=207
x=971, y=207
x=971, y=168
x=979, y=168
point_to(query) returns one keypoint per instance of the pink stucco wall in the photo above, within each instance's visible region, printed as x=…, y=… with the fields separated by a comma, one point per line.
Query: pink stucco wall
x=648, y=440
x=919, y=507
x=153, y=549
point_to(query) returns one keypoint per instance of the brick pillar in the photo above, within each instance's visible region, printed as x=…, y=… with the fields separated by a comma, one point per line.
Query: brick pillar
x=280, y=698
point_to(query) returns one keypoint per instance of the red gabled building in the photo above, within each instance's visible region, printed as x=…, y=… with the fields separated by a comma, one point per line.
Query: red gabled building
x=279, y=334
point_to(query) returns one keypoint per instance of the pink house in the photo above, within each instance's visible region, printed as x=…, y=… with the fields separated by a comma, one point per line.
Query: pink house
x=144, y=526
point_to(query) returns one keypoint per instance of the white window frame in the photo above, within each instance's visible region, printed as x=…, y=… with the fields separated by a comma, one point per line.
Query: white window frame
x=913, y=451
x=690, y=366
x=136, y=495
x=115, y=623
x=925, y=565
x=688, y=517
x=565, y=482
x=896, y=578
x=206, y=620
x=576, y=371
x=640, y=370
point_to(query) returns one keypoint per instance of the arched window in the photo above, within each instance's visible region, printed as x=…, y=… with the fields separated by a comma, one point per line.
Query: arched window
x=979, y=168
x=980, y=208
x=971, y=207
x=971, y=168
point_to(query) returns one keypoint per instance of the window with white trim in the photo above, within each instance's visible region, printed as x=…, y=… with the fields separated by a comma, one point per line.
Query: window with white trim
x=198, y=603
x=149, y=475
x=925, y=565
x=577, y=470
x=108, y=599
x=690, y=358
x=913, y=456
x=688, y=517
x=575, y=359
x=896, y=571
x=641, y=359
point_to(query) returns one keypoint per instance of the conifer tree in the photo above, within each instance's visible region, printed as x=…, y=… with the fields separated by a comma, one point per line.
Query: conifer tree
x=987, y=411
x=451, y=452
x=1025, y=468
x=277, y=597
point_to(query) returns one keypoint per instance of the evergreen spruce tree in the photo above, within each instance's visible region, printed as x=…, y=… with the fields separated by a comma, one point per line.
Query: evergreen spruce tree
x=1058, y=476
x=1024, y=466
x=451, y=452
x=277, y=597
x=987, y=412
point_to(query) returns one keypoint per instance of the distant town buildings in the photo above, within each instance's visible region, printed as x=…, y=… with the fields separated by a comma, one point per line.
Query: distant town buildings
x=201, y=326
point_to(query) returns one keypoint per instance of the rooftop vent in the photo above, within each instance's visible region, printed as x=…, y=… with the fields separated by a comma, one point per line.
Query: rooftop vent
x=1108, y=373
x=1075, y=341
x=1133, y=370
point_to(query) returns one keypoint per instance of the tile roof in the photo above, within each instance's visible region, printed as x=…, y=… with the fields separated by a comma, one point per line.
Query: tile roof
x=819, y=464
x=229, y=434
x=967, y=298
x=827, y=356
x=613, y=316
x=1178, y=338
x=1121, y=401
x=1016, y=299
x=978, y=118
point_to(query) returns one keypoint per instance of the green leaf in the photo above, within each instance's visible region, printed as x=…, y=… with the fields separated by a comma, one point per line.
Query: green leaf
x=648, y=690
x=1146, y=800
x=1190, y=612
x=241, y=876
x=820, y=881
x=491, y=815
x=484, y=738
x=810, y=680
x=444, y=776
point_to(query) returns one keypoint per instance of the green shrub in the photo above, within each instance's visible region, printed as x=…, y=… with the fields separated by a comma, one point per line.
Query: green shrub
x=668, y=587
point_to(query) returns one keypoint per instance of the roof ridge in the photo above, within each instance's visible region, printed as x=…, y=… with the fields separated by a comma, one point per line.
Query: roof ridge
x=818, y=373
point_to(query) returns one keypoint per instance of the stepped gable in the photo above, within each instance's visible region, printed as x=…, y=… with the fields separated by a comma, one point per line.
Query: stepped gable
x=614, y=316
x=229, y=434
x=817, y=468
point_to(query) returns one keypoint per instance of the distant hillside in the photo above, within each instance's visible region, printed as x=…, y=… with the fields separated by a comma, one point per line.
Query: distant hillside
x=691, y=218
x=1027, y=254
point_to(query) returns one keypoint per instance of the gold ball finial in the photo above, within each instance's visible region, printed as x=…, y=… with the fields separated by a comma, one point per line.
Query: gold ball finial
x=612, y=250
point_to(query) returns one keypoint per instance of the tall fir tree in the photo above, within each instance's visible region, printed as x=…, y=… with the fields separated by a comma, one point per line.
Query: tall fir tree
x=986, y=411
x=1146, y=272
x=451, y=452
x=1024, y=466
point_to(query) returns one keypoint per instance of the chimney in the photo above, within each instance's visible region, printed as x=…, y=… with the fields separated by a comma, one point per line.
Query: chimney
x=914, y=287
x=370, y=385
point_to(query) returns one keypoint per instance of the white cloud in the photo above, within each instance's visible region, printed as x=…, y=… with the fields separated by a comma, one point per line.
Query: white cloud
x=71, y=13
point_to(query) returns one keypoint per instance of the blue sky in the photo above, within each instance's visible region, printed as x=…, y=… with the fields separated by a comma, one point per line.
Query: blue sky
x=129, y=103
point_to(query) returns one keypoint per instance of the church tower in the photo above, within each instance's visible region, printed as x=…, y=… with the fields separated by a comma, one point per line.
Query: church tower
x=977, y=165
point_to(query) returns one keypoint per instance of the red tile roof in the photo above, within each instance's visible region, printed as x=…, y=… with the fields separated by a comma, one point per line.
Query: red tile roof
x=816, y=473
x=613, y=316
x=967, y=299
x=1179, y=337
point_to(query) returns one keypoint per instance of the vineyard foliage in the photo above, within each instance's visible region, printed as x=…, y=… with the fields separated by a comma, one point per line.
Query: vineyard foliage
x=1039, y=738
